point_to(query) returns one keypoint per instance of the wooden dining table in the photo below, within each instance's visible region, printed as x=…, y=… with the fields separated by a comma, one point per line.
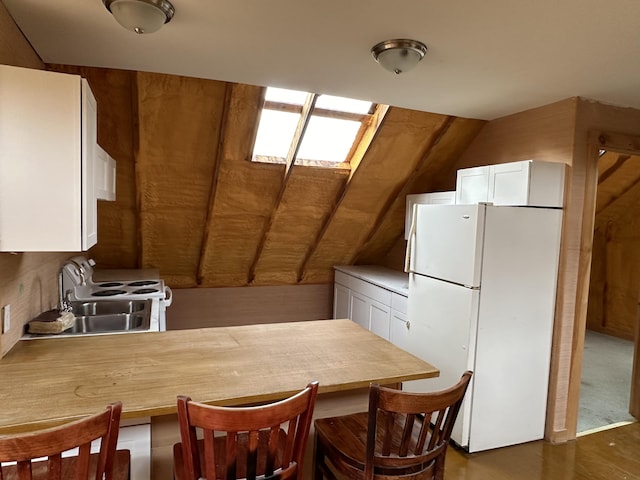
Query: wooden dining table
x=51, y=381
x=47, y=382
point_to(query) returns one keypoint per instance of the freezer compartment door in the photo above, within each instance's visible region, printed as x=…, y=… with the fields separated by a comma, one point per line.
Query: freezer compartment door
x=442, y=330
x=448, y=242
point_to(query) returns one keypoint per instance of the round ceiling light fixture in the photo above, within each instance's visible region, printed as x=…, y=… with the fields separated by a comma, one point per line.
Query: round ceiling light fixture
x=141, y=16
x=399, y=55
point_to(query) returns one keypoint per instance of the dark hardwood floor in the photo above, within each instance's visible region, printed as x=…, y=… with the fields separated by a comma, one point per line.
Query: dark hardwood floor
x=605, y=455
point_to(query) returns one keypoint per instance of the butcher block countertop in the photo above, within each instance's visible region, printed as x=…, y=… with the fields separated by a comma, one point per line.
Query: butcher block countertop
x=51, y=381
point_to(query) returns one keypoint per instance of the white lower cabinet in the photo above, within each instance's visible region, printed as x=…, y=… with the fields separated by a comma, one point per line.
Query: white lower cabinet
x=379, y=317
x=359, y=306
x=341, y=301
x=399, y=329
x=365, y=303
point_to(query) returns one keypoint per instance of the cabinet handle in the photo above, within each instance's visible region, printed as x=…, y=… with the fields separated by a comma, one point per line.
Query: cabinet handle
x=408, y=325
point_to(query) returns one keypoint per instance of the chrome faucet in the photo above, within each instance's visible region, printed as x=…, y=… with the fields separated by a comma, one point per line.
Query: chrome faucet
x=63, y=296
x=63, y=303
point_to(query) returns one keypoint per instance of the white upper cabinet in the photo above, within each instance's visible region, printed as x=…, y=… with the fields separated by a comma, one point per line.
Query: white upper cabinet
x=524, y=183
x=48, y=145
x=105, y=175
x=433, y=198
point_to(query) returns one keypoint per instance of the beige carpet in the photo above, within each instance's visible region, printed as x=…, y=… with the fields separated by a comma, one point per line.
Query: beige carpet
x=606, y=381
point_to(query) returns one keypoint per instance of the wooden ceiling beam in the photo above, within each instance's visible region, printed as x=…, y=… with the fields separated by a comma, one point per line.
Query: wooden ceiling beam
x=303, y=122
x=214, y=183
x=406, y=188
x=320, y=112
x=616, y=198
x=614, y=168
x=365, y=142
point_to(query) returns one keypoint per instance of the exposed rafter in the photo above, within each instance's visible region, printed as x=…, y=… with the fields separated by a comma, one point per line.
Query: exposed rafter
x=216, y=173
x=403, y=190
x=366, y=138
x=613, y=169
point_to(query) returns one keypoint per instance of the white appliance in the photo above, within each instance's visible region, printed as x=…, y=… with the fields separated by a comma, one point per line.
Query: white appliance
x=482, y=289
x=78, y=284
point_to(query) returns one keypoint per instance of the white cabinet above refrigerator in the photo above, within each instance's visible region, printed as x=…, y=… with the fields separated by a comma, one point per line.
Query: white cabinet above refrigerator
x=432, y=198
x=522, y=183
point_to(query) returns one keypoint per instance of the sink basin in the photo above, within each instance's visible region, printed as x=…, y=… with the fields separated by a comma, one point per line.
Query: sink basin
x=109, y=307
x=116, y=322
x=110, y=316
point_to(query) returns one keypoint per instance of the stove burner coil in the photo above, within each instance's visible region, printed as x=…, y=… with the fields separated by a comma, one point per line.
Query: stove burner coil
x=108, y=293
x=142, y=283
x=142, y=291
x=110, y=284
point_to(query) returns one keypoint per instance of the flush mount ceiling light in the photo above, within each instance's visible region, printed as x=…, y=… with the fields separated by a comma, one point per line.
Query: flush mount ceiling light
x=141, y=16
x=399, y=55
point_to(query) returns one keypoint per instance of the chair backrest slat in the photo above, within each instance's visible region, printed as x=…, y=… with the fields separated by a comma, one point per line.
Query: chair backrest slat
x=410, y=431
x=49, y=443
x=265, y=440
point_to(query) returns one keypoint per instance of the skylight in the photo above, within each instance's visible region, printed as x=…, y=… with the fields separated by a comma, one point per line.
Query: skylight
x=308, y=129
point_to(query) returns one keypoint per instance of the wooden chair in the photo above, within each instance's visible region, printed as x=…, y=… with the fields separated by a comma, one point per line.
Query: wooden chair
x=403, y=435
x=266, y=441
x=37, y=455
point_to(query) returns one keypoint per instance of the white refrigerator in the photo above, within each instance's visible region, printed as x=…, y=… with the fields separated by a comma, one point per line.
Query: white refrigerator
x=482, y=290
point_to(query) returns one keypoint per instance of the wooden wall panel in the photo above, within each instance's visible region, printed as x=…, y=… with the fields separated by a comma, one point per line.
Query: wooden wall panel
x=28, y=281
x=179, y=127
x=615, y=265
x=308, y=199
x=615, y=276
x=222, y=307
x=15, y=49
x=392, y=157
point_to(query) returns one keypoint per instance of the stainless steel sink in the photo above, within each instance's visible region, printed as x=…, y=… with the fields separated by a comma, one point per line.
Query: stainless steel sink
x=109, y=316
x=117, y=322
x=109, y=307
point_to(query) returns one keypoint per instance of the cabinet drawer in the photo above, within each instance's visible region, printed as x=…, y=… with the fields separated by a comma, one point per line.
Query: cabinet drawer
x=342, y=278
x=399, y=303
x=370, y=290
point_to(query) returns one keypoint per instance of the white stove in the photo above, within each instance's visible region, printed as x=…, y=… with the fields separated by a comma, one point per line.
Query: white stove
x=78, y=284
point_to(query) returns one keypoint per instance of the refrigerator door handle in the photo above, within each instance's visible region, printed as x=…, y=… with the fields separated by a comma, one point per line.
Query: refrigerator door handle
x=410, y=240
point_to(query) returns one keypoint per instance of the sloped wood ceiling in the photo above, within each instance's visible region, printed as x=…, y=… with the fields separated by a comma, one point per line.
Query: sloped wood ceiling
x=192, y=204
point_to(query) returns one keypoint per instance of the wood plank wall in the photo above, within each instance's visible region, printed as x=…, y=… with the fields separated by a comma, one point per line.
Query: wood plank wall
x=27, y=280
x=615, y=267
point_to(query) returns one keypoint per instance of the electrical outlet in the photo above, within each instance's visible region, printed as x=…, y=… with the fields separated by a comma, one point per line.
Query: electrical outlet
x=6, y=318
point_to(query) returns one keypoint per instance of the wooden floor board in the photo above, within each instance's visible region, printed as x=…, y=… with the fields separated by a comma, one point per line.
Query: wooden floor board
x=605, y=455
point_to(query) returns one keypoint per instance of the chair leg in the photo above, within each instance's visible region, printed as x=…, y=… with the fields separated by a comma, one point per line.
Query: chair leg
x=317, y=471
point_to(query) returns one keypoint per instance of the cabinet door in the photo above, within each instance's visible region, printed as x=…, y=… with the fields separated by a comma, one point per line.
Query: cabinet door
x=340, y=301
x=399, y=329
x=472, y=185
x=105, y=175
x=379, y=317
x=359, y=305
x=89, y=162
